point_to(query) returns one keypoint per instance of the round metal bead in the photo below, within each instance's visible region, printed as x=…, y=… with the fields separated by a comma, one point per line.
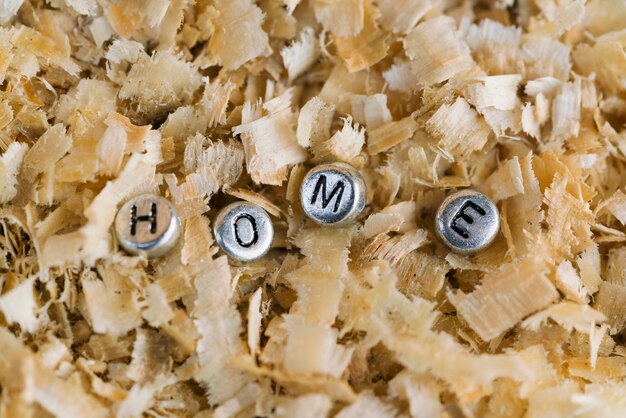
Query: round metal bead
x=467, y=222
x=244, y=231
x=333, y=194
x=147, y=224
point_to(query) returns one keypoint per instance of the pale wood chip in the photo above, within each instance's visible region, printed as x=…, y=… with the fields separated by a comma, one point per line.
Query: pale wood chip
x=153, y=90
x=400, y=16
x=208, y=112
x=48, y=149
x=596, y=337
x=499, y=92
x=546, y=57
x=342, y=18
x=605, y=368
x=10, y=163
x=270, y=143
x=314, y=122
x=307, y=406
x=494, y=45
x=157, y=310
x=421, y=392
x=106, y=347
x=400, y=77
x=256, y=199
x=506, y=182
x=100, y=30
x=566, y=111
x=569, y=315
x=568, y=218
x=367, y=406
x=8, y=9
x=111, y=303
x=370, y=111
x=341, y=85
x=254, y=322
x=368, y=47
x=569, y=282
x=312, y=317
x=219, y=325
x=19, y=306
x=390, y=134
x=611, y=301
x=437, y=51
x=304, y=355
x=605, y=59
x=239, y=36
x=505, y=297
x=421, y=274
x=530, y=124
x=615, y=271
x=400, y=217
x=52, y=51
x=616, y=206
x=125, y=50
x=345, y=145
x=588, y=263
x=548, y=86
x=83, y=7
x=302, y=54
x=459, y=128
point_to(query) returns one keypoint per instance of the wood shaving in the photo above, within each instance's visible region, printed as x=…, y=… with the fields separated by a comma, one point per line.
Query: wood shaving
x=205, y=102
x=437, y=51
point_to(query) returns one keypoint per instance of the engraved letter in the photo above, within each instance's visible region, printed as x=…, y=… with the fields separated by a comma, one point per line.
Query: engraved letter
x=255, y=234
x=461, y=214
x=151, y=217
x=321, y=186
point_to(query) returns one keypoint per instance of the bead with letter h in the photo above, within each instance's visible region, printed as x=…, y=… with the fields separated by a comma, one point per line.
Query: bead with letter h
x=147, y=224
x=333, y=194
x=467, y=222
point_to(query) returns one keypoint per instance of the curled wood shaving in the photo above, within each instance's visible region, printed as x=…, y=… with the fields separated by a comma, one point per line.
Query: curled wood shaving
x=459, y=128
x=505, y=297
x=270, y=142
x=437, y=51
x=236, y=41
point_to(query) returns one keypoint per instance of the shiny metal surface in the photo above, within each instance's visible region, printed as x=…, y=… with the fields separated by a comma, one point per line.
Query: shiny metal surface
x=333, y=194
x=147, y=224
x=243, y=231
x=467, y=222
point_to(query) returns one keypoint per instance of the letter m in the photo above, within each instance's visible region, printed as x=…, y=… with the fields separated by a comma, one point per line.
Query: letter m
x=337, y=192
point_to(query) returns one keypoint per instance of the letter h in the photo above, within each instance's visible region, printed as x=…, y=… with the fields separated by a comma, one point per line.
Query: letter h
x=151, y=217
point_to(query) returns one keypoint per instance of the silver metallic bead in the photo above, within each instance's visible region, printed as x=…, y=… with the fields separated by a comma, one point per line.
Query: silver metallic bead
x=244, y=231
x=467, y=222
x=333, y=194
x=147, y=224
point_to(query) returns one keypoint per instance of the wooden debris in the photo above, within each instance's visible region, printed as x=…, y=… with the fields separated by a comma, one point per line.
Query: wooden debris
x=390, y=134
x=345, y=145
x=270, y=143
x=610, y=301
x=361, y=51
x=459, y=128
x=300, y=55
x=204, y=102
x=505, y=297
x=437, y=51
x=237, y=40
x=151, y=89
